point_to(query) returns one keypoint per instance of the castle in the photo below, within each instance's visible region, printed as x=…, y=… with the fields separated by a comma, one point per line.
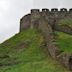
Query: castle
x=47, y=22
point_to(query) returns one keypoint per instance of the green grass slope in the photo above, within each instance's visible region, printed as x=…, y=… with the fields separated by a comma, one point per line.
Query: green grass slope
x=66, y=21
x=64, y=41
x=24, y=53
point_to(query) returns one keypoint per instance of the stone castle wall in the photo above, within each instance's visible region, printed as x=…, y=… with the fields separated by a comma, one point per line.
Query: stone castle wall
x=53, y=17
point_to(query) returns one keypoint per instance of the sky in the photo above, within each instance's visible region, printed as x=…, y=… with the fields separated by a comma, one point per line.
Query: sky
x=52, y=4
x=10, y=13
x=12, y=10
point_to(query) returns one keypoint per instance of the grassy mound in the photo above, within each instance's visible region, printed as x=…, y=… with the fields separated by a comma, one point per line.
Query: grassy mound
x=24, y=53
x=64, y=41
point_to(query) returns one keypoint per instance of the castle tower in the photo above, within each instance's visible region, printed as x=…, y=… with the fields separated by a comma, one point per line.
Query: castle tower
x=35, y=15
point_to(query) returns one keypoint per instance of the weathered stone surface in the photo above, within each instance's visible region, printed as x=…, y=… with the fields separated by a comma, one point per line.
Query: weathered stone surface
x=35, y=15
x=65, y=59
x=53, y=50
x=47, y=32
x=63, y=28
x=25, y=22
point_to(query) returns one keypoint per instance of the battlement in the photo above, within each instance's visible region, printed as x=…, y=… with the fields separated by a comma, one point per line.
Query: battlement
x=63, y=10
x=51, y=16
x=35, y=10
x=70, y=10
x=45, y=10
x=52, y=10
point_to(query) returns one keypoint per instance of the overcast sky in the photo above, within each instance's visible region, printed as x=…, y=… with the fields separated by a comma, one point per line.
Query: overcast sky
x=12, y=10
x=10, y=13
x=52, y=3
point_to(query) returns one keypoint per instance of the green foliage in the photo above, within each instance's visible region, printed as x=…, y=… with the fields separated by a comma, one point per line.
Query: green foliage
x=64, y=41
x=66, y=21
x=32, y=58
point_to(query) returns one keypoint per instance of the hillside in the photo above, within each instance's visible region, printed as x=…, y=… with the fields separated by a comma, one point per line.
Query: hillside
x=25, y=53
x=64, y=41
